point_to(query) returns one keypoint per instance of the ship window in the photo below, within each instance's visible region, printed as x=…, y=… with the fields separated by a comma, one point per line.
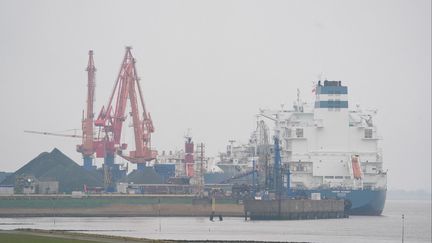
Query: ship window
x=338, y=177
x=288, y=132
x=300, y=168
x=299, y=132
x=331, y=104
x=329, y=177
x=347, y=177
x=368, y=133
x=337, y=104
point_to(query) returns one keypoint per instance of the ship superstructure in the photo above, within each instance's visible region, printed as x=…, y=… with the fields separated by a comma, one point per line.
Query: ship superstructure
x=332, y=150
x=238, y=157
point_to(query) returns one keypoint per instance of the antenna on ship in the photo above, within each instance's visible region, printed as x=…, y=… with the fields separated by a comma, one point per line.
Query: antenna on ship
x=299, y=106
x=319, y=76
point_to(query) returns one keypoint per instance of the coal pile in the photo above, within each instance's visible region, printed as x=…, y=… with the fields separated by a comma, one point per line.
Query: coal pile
x=145, y=176
x=219, y=177
x=56, y=166
x=3, y=175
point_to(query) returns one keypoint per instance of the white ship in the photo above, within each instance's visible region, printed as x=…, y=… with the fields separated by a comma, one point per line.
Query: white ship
x=328, y=149
x=332, y=150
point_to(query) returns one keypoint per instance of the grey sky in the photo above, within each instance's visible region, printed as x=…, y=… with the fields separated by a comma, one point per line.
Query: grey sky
x=209, y=66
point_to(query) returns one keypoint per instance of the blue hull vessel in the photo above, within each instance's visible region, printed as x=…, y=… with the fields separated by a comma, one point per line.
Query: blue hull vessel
x=358, y=202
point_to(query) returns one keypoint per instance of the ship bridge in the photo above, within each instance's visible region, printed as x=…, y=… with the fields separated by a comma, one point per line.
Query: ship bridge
x=331, y=95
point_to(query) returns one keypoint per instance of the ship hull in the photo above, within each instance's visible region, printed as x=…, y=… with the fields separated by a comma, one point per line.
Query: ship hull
x=358, y=202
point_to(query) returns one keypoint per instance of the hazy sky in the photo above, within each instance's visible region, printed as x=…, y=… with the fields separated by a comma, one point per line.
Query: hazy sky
x=210, y=65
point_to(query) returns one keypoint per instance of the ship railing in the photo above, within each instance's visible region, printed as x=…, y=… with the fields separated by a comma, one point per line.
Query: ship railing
x=369, y=188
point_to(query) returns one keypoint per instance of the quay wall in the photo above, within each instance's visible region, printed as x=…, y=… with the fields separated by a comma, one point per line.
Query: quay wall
x=112, y=206
x=294, y=209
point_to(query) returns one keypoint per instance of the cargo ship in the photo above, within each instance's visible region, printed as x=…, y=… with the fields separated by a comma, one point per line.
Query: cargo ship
x=330, y=150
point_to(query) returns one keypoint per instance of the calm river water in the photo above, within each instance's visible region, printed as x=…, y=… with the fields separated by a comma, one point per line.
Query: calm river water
x=385, y=228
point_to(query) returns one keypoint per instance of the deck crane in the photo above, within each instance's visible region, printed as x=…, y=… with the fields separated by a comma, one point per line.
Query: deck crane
x=277, y=165
x=263, y=151
x=111, y=117
x=87, y=148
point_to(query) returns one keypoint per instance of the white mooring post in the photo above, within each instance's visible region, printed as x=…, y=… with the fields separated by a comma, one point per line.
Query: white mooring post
x=403, y=227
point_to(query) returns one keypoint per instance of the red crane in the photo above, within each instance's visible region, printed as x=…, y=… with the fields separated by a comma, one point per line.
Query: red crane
x=87, y=148
x=111, y=117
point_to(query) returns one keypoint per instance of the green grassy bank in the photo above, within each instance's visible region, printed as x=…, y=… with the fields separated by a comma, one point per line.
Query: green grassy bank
x=49, y=236
x=21, y=238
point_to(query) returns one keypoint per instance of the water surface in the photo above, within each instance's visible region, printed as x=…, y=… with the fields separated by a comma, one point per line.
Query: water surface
x=380, y=229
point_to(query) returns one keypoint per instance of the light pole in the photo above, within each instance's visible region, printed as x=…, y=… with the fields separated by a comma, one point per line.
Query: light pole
x=403, y=227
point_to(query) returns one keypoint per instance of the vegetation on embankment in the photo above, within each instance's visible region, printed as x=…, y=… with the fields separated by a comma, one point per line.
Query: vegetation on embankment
x=50, y=236
x=20, y=238
x=56, y=236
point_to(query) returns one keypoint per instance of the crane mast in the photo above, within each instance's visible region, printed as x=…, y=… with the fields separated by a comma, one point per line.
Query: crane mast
x=87, y=148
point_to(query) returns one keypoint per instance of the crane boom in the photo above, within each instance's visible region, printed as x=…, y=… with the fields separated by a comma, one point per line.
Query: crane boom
x=53, y=134
x=125, y=87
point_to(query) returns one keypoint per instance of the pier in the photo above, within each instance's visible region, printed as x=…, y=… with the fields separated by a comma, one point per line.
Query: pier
x=294, y=209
